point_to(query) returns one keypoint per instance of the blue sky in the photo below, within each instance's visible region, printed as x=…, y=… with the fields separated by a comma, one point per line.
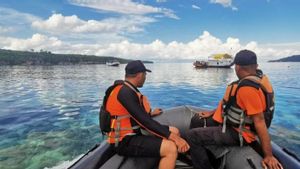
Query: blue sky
x=158, y=29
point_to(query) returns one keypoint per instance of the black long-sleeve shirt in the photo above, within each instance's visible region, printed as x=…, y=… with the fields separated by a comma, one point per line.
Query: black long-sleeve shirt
x=129, y=99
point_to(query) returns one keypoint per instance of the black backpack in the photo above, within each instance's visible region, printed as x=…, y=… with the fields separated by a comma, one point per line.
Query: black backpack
x=104, y=115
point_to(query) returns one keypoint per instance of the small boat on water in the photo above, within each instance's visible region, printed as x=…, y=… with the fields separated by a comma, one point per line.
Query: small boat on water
x=216, y=60
x=231, y=157
x=200, y=64
x=113, y=63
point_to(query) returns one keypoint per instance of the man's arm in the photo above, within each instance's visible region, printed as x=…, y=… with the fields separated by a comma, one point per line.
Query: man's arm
x=269, y=160
x=129, y=99
x=251, y=100
x=262, y=133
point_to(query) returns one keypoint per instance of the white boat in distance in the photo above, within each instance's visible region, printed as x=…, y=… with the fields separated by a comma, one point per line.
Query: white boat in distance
x=217, y=60
x=113, y=63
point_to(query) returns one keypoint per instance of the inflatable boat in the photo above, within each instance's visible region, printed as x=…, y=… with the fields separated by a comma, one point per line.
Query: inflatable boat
x=232, y=157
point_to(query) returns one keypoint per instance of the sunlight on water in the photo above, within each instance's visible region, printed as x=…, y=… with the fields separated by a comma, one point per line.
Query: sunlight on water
x=49, y=114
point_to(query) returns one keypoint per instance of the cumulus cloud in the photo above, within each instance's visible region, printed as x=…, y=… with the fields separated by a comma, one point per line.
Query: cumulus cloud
x=57, y=23
x=225, y=3
x=72, y=28
x=124, y=7
x=199, y=48
x=107, y=30
x=196, y=7
x=37, y=42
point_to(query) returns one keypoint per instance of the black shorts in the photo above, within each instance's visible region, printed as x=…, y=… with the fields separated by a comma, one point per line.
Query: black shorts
x=140, y=146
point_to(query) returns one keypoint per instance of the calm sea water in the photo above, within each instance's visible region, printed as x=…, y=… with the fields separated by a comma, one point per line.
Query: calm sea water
x=49, y=114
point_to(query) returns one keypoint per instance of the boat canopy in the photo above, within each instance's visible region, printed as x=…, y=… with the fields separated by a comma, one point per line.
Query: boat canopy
x=221, y=56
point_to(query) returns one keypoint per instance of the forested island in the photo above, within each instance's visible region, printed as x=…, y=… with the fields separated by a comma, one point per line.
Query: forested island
x=294, y=58
x=12, y=57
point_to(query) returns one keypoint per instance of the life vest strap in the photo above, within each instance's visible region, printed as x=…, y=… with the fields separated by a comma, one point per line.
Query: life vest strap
x=120, y=117
x=117, y=138
x=128, y=134
x=126, y=83
x=241, y=127
x=126, y=128
x=224, y=124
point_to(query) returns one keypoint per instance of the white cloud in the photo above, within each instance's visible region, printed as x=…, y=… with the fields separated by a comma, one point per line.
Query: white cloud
x=279, y=50
x=124, y=7
x=130, y=23
x=12, y=16
x=110, y=28
x=160, y=1
x=196, y=7
x=72, y=28
x=57, y=23
x=13, y=21
x=199, y=48
x=37, y=42
x=4, y=30
x=225, y=3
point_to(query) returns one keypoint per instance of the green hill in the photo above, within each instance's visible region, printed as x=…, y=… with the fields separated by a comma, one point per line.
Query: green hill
x=294, y=58
x=11, y=57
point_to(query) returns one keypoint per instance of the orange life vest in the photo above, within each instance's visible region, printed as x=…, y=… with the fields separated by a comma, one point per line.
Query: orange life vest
x=233, y=115
x=120, y=117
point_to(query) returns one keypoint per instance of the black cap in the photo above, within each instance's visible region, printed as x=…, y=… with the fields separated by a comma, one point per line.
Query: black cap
x=135, y=66
x=245, y=57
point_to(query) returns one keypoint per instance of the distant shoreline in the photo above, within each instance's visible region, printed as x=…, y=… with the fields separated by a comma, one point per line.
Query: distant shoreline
x=12, y=57
x=294, y=58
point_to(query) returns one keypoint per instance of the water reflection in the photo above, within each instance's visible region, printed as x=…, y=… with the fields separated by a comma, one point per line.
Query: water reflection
x=49, y=111
x=185, y=74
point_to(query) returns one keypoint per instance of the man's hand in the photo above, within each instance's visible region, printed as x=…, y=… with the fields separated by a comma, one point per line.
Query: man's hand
x=174, y=130
x=271, y=162
x=205, y=114
x=182, y=145
x=156, y=112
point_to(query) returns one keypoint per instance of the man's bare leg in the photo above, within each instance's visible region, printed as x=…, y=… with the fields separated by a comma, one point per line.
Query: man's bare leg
x=168, y=152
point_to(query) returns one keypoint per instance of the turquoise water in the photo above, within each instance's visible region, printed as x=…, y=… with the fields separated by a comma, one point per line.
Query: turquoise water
x=49, y=114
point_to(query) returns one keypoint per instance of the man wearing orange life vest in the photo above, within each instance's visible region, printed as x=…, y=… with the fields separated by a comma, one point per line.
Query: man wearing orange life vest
x=131, y=112
x=222, y=126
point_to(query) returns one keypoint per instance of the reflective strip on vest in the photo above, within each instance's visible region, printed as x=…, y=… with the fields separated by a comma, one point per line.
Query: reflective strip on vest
x=234, y=115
